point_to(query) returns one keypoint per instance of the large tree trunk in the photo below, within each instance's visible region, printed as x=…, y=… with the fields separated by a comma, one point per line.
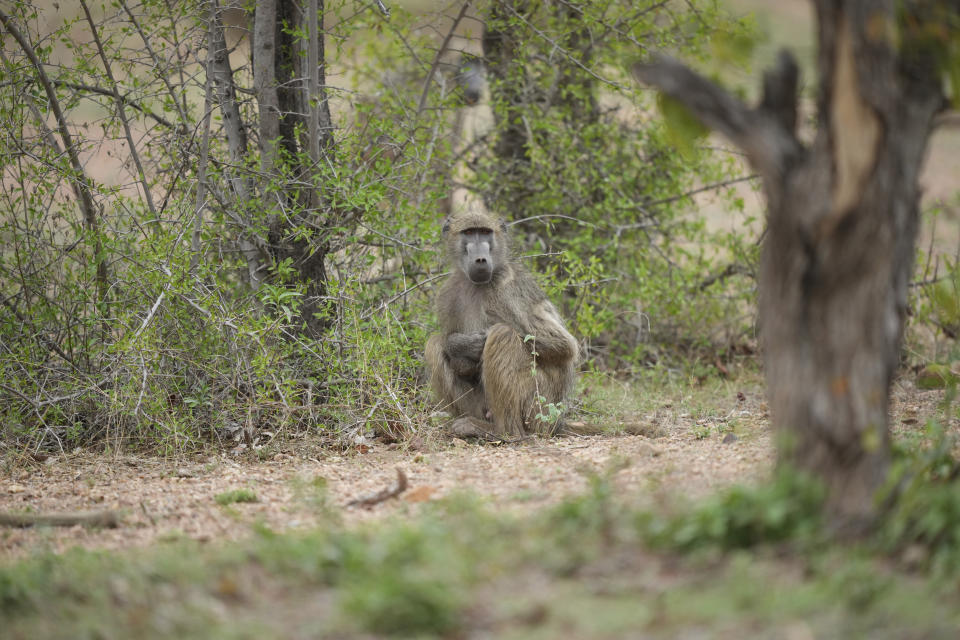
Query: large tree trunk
x=842, y=221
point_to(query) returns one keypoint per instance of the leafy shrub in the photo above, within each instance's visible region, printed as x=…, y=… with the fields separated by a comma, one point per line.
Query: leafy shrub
x=787, y=509
x=924, y=498
x=246, y=303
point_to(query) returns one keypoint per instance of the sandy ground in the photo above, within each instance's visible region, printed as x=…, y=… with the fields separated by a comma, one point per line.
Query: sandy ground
x=303, y=485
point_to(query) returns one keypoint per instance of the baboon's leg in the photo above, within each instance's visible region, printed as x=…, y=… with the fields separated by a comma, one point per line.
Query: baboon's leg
x=512, y=384
x=460, y=397
x=508, y=380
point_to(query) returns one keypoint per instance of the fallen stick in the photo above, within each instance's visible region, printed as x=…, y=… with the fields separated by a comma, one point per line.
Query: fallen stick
x=109, y=519
x=384, y=494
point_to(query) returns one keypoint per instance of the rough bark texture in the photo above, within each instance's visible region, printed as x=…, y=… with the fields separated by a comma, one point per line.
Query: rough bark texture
x=842, y=221
x=289, y=71
x=265, y=80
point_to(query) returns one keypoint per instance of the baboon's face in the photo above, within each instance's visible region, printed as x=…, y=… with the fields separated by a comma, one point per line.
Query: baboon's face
x=472, y=79
x=478, y=250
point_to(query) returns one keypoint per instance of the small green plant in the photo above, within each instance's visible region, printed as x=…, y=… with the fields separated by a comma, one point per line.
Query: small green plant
x=924, y=491
x=548, y=413
x=701, y=431
x=785, y=509
x=235, y=496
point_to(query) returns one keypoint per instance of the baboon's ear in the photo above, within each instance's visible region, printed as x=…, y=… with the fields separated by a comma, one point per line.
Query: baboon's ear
x=503, y=225
x=446, y=225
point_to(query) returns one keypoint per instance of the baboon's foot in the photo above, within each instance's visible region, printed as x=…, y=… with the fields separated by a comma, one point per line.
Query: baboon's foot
x=467, y=427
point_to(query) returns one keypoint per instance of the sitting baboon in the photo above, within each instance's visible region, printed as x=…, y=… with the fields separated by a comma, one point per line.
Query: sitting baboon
x=503, y=355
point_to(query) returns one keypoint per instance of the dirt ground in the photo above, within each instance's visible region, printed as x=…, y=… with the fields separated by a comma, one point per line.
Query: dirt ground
x=300, y=484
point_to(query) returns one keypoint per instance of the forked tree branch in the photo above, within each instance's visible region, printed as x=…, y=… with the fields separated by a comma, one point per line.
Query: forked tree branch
x=765, y=134
x=122, y=113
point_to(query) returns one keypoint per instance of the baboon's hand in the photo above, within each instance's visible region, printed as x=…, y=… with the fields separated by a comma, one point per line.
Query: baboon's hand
x=465, y=368
x=465, y=345
x=463, y=352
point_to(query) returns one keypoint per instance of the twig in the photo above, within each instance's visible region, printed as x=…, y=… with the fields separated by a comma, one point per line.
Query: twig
x=80, y=180
x=544, y=216
x=706, y=187
x=436, y=60
x=153, y=310
x=730, y=270
x=384, y=494
x=148, y=514
x=403, y=293
x=122, y=112
x=109, y=519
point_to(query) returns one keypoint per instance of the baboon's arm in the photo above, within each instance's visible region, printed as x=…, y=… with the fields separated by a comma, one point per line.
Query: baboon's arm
x=463, y=352
x=552, y=342
x=465, y=345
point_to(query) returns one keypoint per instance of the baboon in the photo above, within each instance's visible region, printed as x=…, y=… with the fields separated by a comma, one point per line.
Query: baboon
x=472, y=79
x=503, y=354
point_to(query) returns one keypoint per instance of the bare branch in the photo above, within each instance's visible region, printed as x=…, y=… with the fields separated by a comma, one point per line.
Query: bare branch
x=80, y=181
x=383, y=495
x=780, y=91
x=761, y=134
x=133, y=104
x=122, y=112
x=436, y=60
x=384, y=9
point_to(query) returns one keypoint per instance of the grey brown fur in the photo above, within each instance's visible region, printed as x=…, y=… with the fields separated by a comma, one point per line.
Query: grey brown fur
x=480, y=367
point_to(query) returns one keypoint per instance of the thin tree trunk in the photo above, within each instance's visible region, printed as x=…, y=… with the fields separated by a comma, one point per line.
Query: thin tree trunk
x=282, y=87
x=313, y=84
x=226, y=97
x=200, y=203
x=265, y=82
x=842, y=221
x=500, y=51
x=324, y=120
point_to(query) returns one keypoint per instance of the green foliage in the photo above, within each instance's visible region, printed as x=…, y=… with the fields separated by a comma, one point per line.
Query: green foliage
x=301, y=299
x=403, y=584
x=578, y=160
x=683, y=129
x=924, y=490
x=787, y=509
x=235, y=496
x=457, y=568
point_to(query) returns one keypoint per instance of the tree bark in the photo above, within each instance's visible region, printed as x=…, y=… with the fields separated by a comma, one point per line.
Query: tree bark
x=290, y=73
x=226, y=98
x=320, y=131
x=265, y=81
x=842, y=221
x=283, y=94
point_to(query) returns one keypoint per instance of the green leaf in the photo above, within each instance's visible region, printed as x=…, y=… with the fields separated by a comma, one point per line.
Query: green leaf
x=684, y=130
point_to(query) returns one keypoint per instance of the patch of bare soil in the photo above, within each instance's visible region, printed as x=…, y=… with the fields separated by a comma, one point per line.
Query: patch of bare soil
x=302, y=485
